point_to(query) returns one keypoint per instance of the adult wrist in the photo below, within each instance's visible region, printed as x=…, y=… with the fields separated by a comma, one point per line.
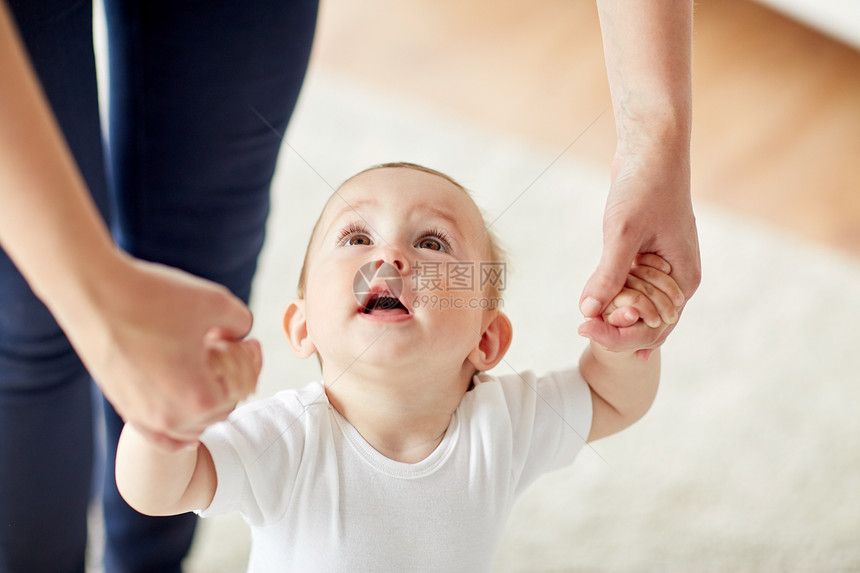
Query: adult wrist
x=82, y=286
x=660, y=128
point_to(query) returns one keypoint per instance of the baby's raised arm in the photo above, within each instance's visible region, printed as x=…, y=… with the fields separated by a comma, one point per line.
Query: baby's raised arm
x=624, y=379
x=158, y=481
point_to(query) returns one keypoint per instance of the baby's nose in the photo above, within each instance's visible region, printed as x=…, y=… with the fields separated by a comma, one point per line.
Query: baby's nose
x=396, y=258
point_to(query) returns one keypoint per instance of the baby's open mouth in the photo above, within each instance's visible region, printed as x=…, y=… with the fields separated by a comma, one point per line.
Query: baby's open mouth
x=383, y=303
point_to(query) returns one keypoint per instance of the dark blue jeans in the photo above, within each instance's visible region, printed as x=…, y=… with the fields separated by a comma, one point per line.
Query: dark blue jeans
x=184, y=180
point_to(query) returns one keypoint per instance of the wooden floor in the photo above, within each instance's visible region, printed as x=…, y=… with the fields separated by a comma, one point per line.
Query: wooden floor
x=777, y=106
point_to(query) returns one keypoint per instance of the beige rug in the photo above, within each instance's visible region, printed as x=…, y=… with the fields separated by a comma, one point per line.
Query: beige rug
x=750, y=457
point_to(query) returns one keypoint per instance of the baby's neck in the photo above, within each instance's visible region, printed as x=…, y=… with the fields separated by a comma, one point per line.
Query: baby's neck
x=404, y=417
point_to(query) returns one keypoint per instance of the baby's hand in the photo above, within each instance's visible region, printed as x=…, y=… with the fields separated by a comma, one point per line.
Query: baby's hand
x=650, y=295
x=235, y=365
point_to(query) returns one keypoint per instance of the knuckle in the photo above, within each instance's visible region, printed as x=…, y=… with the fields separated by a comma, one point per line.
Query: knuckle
x=622, y=228
x=203, y=402
x=648, y=289
x=200, y=399
x=161, y=420
x=644, y=274
x=696, y=279
x=236, y=393
x=604, y=283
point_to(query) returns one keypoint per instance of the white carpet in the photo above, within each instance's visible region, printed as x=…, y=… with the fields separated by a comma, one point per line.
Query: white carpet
x=750, y=457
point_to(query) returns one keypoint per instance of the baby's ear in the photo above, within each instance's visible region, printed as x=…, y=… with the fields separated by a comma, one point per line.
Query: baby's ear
x=494, y=342
x=296, y=329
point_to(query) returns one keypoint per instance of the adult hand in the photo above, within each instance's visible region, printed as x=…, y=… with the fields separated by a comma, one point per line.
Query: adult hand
x=149, y=344
x=648, y=211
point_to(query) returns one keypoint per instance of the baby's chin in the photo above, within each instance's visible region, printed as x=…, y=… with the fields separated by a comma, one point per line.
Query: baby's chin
x=376, y=356
x=395, y=362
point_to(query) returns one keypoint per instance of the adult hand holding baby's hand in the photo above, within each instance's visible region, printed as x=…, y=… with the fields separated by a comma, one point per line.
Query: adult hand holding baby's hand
x=165, y=348
x=641, y=316
x=648, y=211
x=234, y=364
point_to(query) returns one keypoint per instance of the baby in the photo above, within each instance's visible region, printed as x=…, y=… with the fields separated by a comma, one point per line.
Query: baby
x=407, y=456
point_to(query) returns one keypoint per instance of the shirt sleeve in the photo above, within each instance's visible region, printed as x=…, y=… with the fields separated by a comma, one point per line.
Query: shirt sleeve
x=550, y=420
x=247, y=447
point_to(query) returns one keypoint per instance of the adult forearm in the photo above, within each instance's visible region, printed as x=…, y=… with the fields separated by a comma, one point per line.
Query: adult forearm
x=647, y=48
x=48, y=223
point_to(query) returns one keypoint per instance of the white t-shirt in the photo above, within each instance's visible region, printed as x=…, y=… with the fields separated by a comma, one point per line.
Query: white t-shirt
x=319, y=498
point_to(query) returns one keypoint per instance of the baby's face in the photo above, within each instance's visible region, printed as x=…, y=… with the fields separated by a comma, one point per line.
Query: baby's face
x=376, y=275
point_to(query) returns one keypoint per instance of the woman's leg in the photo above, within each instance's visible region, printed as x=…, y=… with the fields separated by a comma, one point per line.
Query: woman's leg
x=46, y=436
x=192, y=162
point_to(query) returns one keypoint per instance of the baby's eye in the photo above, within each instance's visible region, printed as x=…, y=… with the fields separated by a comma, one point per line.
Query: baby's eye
x=430, y=243
x=357, y=240
x=354, y=235
x=434, y=241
